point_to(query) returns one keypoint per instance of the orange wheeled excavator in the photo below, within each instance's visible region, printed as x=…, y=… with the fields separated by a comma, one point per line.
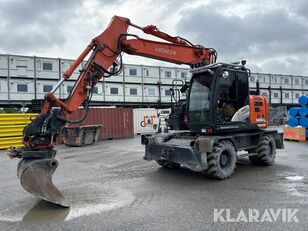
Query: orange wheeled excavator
x=217, y=95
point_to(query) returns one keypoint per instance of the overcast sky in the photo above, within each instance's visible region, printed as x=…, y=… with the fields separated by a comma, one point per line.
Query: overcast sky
x=271, y=35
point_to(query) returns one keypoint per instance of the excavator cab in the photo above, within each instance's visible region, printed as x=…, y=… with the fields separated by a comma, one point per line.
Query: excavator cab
x=219, y=99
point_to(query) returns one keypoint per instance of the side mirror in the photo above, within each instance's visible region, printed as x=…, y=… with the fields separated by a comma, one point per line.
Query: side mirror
x=184, y=88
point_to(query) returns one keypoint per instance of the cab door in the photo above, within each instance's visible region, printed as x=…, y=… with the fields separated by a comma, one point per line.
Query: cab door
x=232, y=97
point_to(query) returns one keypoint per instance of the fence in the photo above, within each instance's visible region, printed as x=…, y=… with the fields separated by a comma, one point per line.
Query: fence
x=11, y=127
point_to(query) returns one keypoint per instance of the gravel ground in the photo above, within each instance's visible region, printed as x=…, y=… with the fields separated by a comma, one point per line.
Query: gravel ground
x=110, y=187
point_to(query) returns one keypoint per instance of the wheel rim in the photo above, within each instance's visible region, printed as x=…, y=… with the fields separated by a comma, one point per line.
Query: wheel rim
x=225, y=159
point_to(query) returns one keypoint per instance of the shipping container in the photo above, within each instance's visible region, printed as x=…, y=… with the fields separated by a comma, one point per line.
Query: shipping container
x=149, y=120
x=115, y=122
x=21, y=66
x=286, y=81
x=145, y=121
x=133, y=92
x=22, y=87
x=151, y=74
x=276, y=96
x=114, y=92
x=132, y=73
x=275, y=81
x=287, y=96
x=265, y=92
x=167, y=74
x=264, y=80
x=253, y=79
x=45, y=86
x=3, y=66
x=66, y=64
x=297, y=82
x=3, y=89
x=114, y=78
x=47, y=68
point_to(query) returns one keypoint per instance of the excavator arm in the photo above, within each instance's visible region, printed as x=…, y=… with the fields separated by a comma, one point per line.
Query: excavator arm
x=38, y=162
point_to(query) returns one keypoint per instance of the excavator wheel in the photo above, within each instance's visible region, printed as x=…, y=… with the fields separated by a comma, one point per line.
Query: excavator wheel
x=266, y=151
x=168, y=164
x=221, y=161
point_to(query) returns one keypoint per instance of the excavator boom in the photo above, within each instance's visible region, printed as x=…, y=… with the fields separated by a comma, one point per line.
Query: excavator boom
x=38, y=162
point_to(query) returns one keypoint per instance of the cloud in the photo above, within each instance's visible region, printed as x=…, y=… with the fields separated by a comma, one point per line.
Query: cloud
x=299, y=8
x=31, y=25
x=273, y=34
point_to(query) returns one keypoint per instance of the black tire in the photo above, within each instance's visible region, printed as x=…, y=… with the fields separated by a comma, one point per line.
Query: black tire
x=222, y=161
x=254, y=160
x=266, y=151
x=168, y=164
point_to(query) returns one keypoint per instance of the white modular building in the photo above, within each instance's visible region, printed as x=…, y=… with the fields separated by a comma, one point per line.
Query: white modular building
x=26, y=78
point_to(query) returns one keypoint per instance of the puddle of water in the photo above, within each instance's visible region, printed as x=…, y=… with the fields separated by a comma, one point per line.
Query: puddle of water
x=92, y=200
x=295, y=190
x=84, y=200
x=45, y=212
x=294, y=185
x=295, y=178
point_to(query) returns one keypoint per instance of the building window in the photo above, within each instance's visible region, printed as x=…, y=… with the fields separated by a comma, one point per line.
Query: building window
x=167, y=92
x=265, y=79
x=286, y=80
x=183, y=75
x=47, y=88
x=22, y=88
x=275, y=94
x=113, y=70
x=168, y=74
x=296, y=95
x=133, y=91
x=264, y=94
x=69, y=89
x=274, y=80
x=151, y=92
x=287, y=95
x=47, y=66
x=95, y=90
x=133, y=71
x=114, y=91
x=252, y=79
x=296, y=81
x=147, y=73
x=306, y=81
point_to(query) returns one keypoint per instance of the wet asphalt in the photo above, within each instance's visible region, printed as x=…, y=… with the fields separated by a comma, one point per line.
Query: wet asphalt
x=110, y=187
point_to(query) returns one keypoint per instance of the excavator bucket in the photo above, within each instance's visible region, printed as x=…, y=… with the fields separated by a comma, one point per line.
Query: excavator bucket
x=35, y=176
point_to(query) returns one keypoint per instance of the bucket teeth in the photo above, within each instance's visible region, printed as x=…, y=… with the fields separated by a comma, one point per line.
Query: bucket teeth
x=35, y=176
